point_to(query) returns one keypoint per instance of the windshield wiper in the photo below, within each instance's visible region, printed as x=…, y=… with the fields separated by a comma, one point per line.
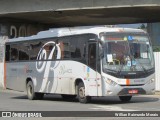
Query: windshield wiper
x=145, y=71
x=109, y=70
x=120, y=69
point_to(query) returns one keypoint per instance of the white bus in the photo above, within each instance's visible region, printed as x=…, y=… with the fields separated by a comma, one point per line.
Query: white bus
x=82, y=62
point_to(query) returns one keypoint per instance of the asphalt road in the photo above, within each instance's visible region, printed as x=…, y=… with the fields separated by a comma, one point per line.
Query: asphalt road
x=17, y=101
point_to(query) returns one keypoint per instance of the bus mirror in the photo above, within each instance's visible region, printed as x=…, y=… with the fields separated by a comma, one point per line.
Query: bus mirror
x=101, y=42
x=101, y=51
x=102, y=55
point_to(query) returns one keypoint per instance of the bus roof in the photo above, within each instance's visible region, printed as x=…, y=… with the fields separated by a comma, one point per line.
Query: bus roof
x=59, y=32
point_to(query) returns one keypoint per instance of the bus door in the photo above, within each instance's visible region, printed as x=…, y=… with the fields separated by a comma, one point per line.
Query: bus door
x=92, y=68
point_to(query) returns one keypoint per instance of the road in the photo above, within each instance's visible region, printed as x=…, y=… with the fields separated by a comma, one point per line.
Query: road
x=17, y=101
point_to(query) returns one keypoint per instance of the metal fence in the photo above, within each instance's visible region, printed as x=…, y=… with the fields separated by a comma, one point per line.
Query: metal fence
x=157, y=70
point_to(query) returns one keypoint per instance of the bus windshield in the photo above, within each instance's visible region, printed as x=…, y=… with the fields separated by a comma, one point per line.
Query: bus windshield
x=127, y=53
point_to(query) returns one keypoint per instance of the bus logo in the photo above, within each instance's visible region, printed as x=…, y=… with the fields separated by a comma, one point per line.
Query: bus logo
x=44, y=61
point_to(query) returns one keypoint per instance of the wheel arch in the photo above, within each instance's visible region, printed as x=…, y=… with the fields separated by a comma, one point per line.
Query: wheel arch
x=28, y=79
x=77, y=81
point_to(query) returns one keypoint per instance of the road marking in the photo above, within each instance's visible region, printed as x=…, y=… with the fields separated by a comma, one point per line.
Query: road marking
x=111, y=108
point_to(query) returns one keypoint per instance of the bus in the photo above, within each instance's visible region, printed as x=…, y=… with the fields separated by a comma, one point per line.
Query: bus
x=81, y=63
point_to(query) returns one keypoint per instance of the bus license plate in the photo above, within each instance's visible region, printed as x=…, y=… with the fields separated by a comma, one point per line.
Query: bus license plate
x=133, y=91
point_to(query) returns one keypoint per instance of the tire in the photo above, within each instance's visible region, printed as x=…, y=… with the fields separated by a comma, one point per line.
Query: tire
x=31, y=94
x=125, y=98
x=68, y=97
x=81, y=94
x=30, y=91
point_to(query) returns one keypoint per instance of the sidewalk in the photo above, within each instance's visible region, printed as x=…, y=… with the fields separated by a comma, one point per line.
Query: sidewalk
x=157, y=93
x=1, y=87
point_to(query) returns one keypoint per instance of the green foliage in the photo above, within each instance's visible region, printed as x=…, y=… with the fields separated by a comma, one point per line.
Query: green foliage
x=156, y=48
x=142, y=26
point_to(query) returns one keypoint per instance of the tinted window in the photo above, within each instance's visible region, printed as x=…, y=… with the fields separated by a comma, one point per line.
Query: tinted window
x=34, y=49
x=75, y=47
x=92, y=55
x=65, y=47
x=43, y=50
x=79, y=45
x=14, y=52
x=7, y=53
x=24, y=51
x=51, y=50
x=71, y=47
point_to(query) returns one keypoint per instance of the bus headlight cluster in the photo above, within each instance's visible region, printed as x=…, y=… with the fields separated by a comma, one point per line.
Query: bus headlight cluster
x=151, y=81
x=109, y=81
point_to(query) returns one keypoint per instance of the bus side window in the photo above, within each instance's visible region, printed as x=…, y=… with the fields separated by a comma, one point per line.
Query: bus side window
x=23, y=52
x=92, y=55
x=7, y=57
x=14, y=53
x=35, y=47
x=65, y=48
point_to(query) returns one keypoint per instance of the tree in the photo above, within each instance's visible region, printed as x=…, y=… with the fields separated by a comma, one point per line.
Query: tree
x=142, y=26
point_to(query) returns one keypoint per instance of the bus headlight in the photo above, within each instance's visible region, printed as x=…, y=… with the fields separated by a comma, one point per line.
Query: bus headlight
x=109, y=81
x=151, y=81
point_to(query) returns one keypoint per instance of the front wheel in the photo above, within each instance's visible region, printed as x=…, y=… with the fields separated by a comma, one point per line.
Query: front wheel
x=125, y=98
x=81, y=94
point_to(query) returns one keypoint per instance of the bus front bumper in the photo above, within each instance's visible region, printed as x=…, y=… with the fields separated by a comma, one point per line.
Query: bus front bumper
x=129, y=90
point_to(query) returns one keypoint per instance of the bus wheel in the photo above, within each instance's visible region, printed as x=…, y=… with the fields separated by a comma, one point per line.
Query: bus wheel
x=30, y=91
x=31, y=94
x=81, y=94
x=125, y=98
x=68, y=97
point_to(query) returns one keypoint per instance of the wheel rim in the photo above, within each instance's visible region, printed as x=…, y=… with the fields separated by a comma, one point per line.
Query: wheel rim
x=30, y=90
x=82, y=92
